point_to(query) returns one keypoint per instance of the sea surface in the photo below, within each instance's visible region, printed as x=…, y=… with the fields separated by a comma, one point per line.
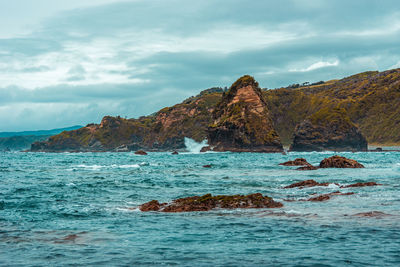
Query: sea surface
x=80, y=209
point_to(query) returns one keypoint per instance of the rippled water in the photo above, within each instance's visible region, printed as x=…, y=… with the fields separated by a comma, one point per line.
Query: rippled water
x=80, y=209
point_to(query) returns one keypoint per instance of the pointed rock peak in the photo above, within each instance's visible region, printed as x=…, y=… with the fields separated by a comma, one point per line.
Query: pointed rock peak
x=245, y=85
x=242, y=121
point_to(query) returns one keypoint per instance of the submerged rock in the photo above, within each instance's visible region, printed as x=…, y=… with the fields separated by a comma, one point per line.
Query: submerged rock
x=328, y=129
x=306, y=183
x=340, y=162
x=242, y=122
x=376, y=214
x=296, y=162
x=325, y=197
x=140, y=152
x=308, y=167
x=360, y=184
x=208, y=202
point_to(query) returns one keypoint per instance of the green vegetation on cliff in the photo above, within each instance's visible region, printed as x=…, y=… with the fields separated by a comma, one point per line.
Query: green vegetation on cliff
x=370, y=99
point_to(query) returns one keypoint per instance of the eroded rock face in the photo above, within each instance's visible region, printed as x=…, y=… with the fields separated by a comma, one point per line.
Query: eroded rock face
x=340, y=162
x=242, y=122
x=328, y=129
x=208, y=202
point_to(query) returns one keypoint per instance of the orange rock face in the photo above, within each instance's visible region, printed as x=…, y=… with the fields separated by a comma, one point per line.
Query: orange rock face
x=242, y=122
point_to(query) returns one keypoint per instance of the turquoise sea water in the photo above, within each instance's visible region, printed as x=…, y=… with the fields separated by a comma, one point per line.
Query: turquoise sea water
x=80, y=209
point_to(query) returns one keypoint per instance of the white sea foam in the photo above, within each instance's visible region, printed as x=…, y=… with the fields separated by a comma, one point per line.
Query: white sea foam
x=333, y=186
x=193, y=146
x=113, y=166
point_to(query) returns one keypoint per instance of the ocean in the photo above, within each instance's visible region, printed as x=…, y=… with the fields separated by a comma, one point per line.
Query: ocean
x=80, y=209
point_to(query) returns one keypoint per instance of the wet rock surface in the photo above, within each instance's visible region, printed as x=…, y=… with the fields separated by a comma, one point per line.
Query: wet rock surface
x=208, y=202
x=340, y=162
x=296, y=162
x=308, y=167
x=306, y=183
x=361, y=184
x=141, y=152
x=328, y=196
x=376, y=214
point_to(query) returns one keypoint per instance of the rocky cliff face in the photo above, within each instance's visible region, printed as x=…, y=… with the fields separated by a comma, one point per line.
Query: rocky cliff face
x=370, y=99
x=242, y=122
x=328, y=129
x=164, y=130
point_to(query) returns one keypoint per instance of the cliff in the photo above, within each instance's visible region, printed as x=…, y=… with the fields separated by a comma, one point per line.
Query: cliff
x=370, y=100
x=242, y=122
x=164, y=130
x=328, y=129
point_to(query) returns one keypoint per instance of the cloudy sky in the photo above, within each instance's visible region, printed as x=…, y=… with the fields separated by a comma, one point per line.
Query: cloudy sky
x=71, y=62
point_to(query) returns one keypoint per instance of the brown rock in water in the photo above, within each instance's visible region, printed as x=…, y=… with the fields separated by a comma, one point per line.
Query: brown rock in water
x=306, y=183
x=296, y=162
x=325, y=197
x=360, y=184
x=308, y=167
x=340, y=162
x=153, y=205
x=208, y=202
x=328, y=129
x=242, y=121
x=205, y=149
x=175, y=153
x=140, y=152
x=376, y=214
x=207, y=166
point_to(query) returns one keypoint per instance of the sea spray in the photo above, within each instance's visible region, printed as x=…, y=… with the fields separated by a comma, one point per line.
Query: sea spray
x=193, y=146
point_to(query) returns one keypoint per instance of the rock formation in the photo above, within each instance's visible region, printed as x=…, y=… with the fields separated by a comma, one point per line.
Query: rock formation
x=360, y=184
x=141, y=152
x=296, y=162
x=242, y=122
x=325, y=197
x=328, y=129
x=306, y=183
x=340, y=162
x=208, y=202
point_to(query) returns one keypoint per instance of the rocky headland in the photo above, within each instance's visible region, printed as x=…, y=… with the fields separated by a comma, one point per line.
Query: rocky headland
x=334, y=115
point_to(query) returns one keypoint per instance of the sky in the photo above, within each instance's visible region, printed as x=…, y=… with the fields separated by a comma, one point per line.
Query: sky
x=65, y=63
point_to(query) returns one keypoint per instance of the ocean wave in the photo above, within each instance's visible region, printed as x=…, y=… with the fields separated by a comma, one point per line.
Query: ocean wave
x=113, y=166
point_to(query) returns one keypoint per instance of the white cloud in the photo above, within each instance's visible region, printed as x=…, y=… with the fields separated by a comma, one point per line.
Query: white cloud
x=316, y=65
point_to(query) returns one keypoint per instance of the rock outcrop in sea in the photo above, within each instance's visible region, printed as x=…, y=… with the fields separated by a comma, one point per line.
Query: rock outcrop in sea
x=242, y=122
x=208, y=202
x=328, y=129
x=339, y=162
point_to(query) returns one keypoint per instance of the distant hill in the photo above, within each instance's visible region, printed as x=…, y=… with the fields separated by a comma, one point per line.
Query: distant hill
x=40, y=132
x=370, y=99
x=15, y=141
